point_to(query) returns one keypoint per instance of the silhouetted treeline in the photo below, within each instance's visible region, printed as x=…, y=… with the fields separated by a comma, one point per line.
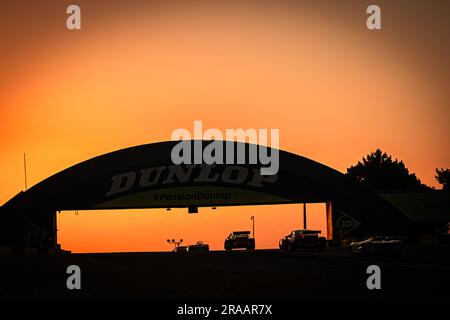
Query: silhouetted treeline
x=379, y=172
x=443, y=177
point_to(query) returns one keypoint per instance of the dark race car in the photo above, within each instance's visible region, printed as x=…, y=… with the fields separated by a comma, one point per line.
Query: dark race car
x=200, y=246
x=180, y=249
x=239, y=240
x=303, y=239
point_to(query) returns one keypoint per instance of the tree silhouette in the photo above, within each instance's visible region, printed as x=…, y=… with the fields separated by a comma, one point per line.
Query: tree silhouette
x=443, y=177
x=379, y=172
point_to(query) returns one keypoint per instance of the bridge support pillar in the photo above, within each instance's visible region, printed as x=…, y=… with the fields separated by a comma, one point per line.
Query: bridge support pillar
x=29, y=231
x=329, y=209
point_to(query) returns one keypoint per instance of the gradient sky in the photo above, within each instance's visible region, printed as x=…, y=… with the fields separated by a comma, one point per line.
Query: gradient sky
x=135, y=72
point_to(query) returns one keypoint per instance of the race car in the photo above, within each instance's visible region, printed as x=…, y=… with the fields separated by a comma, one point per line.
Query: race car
x=377, y=245
x=303, y=239
x=199, y=246
x=239, y=240
x=180, y=249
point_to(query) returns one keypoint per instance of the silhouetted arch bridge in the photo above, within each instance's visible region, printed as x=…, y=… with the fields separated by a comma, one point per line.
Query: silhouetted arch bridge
x=145, y=177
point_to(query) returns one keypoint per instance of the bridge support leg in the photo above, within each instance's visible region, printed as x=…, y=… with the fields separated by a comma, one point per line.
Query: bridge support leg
x=42, y=231
x=329, y=209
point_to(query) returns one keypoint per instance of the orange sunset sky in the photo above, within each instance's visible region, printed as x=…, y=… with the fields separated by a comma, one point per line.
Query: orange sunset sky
x=137, y=71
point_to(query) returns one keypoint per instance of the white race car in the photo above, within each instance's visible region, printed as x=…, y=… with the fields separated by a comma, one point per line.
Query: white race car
x=377, y=245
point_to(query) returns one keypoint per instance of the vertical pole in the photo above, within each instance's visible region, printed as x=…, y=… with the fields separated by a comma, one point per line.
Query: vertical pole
x=304, y=215
x=25, y=170
x=253, y=231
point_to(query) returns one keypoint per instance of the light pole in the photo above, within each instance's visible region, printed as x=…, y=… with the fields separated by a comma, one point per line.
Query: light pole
x=175, y=243
x=304, y=216
x=253, y=220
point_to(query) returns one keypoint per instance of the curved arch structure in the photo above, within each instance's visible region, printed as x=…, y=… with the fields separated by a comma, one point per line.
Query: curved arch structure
x=145, y=177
